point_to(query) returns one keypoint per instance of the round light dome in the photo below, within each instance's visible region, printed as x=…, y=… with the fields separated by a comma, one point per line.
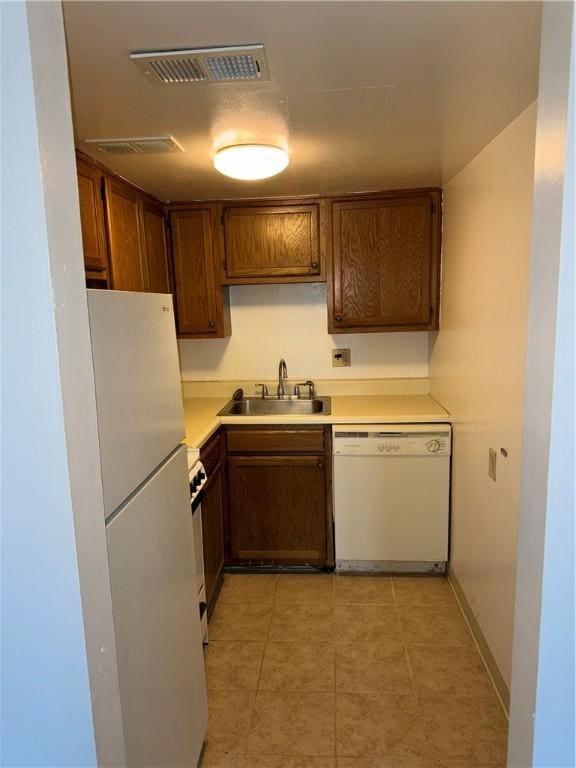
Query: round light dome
x=251, y=161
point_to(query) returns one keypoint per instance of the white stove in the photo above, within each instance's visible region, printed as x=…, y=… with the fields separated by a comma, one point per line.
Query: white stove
x=197, y=479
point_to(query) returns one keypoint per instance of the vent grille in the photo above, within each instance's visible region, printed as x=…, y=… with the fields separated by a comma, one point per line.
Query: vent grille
x=230, y=64
x=171, y=71
x=147, y=145
x=233, y=67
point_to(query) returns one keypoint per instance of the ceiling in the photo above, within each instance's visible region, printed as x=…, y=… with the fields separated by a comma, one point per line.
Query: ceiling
x=366, y=95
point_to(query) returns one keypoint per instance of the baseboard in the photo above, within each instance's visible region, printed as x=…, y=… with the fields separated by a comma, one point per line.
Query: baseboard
x=483, y=647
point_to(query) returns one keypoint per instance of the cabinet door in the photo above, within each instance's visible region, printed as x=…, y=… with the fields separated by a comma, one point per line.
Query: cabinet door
x=213, y=534
x=385, y=264
x=92, y=218
x=194, y=283
x=277, y=508
x=125, y=237
x=154, y=226
x=271, y=242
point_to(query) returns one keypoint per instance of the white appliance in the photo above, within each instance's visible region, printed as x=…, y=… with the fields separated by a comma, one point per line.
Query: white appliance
x=148, y=527
x=197, y=479
x=391, y=496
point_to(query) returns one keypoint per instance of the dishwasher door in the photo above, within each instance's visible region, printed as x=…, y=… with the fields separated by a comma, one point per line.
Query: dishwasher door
x=391, y=497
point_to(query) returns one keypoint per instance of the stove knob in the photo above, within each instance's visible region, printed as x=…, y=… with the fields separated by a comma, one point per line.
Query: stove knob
x=433, y=446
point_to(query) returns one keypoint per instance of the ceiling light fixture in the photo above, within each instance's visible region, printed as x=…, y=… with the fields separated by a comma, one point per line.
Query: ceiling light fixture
x=249, y=162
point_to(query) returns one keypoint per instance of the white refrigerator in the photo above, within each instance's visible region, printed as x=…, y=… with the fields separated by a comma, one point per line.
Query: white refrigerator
x=148, y=527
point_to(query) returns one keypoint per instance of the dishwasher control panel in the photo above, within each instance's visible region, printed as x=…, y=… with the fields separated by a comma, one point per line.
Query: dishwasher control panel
x=391, y=439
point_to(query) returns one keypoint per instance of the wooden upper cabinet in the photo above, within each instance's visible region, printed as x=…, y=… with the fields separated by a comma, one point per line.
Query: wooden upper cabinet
x=154, y=225
x=199, y=302
x=271, y=243
x=126, y=247
x=385, y=263
x=92, y=219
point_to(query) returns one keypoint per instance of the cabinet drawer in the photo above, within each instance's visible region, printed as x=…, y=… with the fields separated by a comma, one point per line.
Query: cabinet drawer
x=211, y=453
x=279, y=440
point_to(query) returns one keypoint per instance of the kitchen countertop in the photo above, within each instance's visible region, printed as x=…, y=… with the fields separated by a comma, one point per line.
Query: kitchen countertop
x=201, y=419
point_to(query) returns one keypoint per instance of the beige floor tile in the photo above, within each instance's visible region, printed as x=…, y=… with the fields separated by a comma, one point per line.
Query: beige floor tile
x=366, y=623
x=248, y=588
x=233, y=665
x=229, y=719
x=215, y=757
x=372, y=668
x=466, y=730
x=448, y=669
x=434, y=625
x=284, y=761
x=458, y=764
x=364, y=589
x=240, y=621
x=302, y=623
x=293, y=724
x=379, y=725
x=305, y=588
x=423, y=590
x=408, y=761
x=298, y=667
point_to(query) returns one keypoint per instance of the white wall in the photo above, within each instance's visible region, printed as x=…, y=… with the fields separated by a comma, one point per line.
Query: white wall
x=290, y=321
x=477, y=368
x=542, y=712
x=60, y=696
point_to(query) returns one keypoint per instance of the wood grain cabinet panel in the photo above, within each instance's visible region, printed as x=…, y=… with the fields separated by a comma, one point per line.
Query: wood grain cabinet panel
x=272, y=243
x=270, y=440
x=154, y=225
x=279, y=498
x=213, y=535
x=92, y=220
x=199, y=303
x=213, y=516
x=385, y=263
x=278, y=509
x=126, y=247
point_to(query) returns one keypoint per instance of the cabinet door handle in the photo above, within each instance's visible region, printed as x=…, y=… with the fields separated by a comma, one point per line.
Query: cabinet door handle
x=314, y=265
x=320, y=465
x=212, y=323
x=338, y=317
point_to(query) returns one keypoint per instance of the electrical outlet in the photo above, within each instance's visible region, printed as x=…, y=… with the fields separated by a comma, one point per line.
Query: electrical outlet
x=340, y=358
x=492, y=463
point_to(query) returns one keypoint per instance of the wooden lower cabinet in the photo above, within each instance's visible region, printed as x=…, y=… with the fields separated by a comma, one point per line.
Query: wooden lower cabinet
x=213, y=535
x=213, y=516
x=280, y=504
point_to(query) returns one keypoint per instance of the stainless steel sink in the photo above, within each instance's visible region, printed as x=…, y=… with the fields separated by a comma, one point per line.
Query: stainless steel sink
x=272, y=406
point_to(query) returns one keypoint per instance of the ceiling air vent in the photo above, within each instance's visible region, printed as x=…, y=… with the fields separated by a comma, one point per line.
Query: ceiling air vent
x=229, y=64
x=147, y=145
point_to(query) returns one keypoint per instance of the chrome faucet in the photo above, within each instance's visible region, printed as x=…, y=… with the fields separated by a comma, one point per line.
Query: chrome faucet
x=282, y=375
x=311, y=389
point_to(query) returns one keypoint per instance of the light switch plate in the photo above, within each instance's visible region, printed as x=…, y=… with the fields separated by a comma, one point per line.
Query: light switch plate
x=341, y=358
x=492, y=463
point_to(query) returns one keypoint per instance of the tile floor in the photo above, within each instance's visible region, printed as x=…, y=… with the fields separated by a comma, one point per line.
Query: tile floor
x=331, y=671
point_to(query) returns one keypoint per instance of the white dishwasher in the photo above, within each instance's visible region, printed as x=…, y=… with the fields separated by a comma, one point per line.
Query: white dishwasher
x=391, y=496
